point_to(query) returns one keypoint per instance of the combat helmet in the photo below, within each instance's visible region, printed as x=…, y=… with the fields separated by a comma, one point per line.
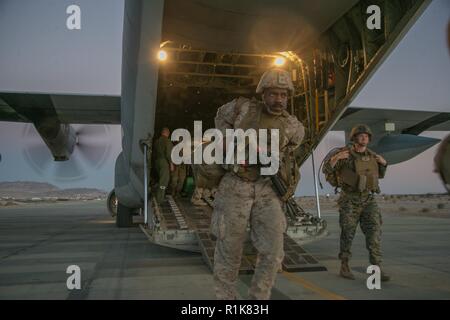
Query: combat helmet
x=360, y=128
x=275, y=78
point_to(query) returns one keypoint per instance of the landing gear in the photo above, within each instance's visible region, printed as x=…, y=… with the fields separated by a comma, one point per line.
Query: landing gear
x=124, y=217
x=123, y=214
x=112, y=203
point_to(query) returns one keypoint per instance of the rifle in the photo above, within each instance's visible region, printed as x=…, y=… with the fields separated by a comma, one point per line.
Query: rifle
x=294, y=212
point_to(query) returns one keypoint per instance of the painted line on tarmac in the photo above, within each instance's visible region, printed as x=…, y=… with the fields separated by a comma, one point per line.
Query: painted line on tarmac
x=324, y=293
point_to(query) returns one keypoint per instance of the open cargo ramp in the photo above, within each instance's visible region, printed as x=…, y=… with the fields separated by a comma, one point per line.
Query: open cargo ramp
x=181, y=225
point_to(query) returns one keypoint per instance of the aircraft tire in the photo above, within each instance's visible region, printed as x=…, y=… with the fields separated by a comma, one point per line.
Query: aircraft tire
x=111, y=203
x=124, y=217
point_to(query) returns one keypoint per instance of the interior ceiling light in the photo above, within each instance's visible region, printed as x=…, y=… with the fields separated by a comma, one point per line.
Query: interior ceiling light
x=162, y=55
x=279, y=61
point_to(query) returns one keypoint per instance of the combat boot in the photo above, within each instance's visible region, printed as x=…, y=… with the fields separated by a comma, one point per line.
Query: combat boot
x=198, y=202
x=346, y=272
x=160, y=195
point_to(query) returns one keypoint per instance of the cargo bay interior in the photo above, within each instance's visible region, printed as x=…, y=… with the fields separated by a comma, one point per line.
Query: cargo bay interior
x=327, y=72
x=193, y=84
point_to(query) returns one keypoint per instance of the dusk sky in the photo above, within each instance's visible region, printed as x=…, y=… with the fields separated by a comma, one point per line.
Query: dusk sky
x=414, y=77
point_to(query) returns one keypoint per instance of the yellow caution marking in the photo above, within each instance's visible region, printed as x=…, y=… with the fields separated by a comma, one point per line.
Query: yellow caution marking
x=324, y=293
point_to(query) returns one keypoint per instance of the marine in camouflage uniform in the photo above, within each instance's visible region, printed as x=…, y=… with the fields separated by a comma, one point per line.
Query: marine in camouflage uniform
x=356, y=171
x=442, y=160
x=162, y=150
x=245, y=197
x=177, y=177
x=205, y=187
x=198, y=195
x=202, y=193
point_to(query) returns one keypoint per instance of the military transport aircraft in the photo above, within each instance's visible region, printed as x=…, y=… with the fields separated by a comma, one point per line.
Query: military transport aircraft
x=182, y=59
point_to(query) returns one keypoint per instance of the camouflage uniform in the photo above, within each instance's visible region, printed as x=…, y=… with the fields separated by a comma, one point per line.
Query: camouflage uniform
x=162, y=149
x=442, y=161
x=202, y=193
x=177, y=178
x=238, y=203
x=200, y=187
x=205, y=183
x=209, y=193
x=241, y=201
x=197, y=197
x=358, y=208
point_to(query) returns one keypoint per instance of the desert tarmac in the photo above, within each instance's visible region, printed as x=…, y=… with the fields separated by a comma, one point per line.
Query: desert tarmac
x=39, y=241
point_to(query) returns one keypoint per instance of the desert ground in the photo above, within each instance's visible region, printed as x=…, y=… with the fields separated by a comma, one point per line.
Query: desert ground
x=420, y=205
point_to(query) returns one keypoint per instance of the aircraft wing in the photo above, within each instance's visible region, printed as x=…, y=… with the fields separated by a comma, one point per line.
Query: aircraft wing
x=80, y=109
x=213, y=45
x=396, y=133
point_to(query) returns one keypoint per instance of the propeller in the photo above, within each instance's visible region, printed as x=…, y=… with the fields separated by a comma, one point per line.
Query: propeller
x=91, y=148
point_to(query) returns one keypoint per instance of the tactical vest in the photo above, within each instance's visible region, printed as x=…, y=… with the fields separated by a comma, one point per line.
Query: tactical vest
x=363, y=177
x=256, y=118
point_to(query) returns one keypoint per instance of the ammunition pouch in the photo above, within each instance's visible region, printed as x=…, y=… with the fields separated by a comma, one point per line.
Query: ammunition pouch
x=358, y=182
x=347, y=177
x=362, y=183
x=367, y=169
x=372, y=183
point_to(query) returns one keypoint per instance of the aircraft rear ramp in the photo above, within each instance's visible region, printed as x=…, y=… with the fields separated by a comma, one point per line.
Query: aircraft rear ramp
x=181, y=225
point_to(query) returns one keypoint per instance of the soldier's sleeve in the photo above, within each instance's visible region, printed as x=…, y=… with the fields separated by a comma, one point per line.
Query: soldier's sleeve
x=298, y=133
x=327, y=168
x=225, y=117
x=381, y=171
x=168, y=152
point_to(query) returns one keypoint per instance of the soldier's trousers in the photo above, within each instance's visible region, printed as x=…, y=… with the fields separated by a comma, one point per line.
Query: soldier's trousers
x=162, y=166
x=177, y=178
x=360, y=209
x=197, y=196
x=238, y=202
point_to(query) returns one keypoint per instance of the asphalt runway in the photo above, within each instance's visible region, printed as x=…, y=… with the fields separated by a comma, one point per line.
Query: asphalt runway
x=38, y=242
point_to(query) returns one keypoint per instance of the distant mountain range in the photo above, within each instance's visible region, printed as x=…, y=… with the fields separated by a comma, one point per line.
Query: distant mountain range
x=30, y=189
